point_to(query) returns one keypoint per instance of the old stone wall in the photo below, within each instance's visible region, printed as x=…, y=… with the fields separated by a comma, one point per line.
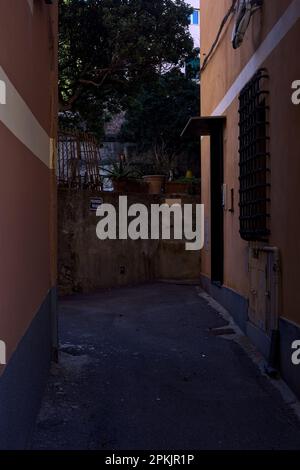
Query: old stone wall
x=86, y=263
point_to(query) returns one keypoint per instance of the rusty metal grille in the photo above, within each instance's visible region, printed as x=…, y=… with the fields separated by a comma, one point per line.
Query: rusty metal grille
x=254, y=158
x=78, y=161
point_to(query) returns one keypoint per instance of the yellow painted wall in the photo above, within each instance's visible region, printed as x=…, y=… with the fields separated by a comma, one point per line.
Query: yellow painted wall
x=283, y=66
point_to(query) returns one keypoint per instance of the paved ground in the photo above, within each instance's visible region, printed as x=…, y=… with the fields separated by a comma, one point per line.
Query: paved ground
x=141, y=369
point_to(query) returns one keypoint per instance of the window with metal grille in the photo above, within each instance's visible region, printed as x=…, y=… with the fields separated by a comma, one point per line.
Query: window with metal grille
x=254, y=158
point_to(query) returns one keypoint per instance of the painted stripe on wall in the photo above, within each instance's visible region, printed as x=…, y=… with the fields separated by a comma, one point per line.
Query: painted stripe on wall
x=24, y=237
x=30, y=3
x=19, y=119
x=279, y=31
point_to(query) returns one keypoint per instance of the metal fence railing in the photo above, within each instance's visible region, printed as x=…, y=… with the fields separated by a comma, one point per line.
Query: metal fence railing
x=78, y=164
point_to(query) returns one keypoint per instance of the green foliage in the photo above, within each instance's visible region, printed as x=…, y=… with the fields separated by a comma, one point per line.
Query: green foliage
x=157, y=116
x=120, y=171
x=109, y=48
x=192, y=67
x=184, y=179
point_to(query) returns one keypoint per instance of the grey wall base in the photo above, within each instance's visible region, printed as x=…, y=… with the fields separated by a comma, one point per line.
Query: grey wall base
x=23, y=381
x=237, y=306
x=258, y=337
x=233, y=302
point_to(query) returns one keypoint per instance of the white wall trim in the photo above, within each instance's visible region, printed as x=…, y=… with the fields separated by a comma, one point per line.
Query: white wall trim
x=2, y=92
x=19, y=119
x=279, y=31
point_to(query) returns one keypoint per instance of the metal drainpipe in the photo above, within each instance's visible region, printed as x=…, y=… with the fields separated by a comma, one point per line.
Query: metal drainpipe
x=272, y=366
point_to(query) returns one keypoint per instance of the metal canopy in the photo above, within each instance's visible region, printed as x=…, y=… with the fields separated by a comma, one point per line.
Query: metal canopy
x=200, y=126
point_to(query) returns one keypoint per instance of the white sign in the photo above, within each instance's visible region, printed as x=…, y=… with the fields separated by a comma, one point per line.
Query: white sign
x=95, y=203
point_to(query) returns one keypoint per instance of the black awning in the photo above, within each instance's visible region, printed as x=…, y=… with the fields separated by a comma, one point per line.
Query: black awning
x=199, y=126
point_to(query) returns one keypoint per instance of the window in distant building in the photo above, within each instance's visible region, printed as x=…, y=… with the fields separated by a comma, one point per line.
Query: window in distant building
x=195, y=17
x=254, y=159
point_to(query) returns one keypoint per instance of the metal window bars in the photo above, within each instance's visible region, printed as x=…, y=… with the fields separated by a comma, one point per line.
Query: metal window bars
x=254, y=159
x=78, y=161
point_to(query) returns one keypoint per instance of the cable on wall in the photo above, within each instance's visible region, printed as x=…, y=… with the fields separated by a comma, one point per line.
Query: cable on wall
x=244, y=10
x=223, y=23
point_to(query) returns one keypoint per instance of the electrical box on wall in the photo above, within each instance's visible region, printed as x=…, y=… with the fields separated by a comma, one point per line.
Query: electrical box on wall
x=264, y=279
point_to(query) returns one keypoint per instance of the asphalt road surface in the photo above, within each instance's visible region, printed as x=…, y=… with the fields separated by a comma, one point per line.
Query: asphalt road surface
x=141, y=368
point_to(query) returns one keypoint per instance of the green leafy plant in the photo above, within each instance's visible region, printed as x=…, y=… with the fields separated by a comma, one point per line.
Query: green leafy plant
x=121, y=171
x=192, y=180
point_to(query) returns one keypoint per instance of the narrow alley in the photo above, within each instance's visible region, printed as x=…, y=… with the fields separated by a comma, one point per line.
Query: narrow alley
x=157, y=367
x=149, y=243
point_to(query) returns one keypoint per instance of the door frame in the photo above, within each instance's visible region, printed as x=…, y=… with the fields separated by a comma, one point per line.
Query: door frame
x=213, y=126
x=217, y=209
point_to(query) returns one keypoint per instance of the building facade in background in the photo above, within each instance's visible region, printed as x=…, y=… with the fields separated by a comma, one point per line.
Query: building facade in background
x=28, y=109
x=250, y=170
x=195, y=22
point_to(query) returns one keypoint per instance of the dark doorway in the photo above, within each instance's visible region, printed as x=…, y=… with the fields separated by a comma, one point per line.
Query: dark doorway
x=213, y=126
x=217, y=215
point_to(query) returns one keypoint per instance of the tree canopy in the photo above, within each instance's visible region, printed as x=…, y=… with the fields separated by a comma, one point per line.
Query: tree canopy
x=109, y=49
x=158, y=114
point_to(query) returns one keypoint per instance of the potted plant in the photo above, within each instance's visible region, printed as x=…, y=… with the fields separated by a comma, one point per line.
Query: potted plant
x=184, y=185
x=155, y=183
x=155, y=177
x=125, y=178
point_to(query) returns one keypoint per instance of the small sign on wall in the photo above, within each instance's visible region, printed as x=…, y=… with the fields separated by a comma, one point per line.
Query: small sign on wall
x=95, y=203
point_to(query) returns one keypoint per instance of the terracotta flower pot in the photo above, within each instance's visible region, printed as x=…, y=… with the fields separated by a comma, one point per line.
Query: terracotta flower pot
x=155, y=182
x=119, y=185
